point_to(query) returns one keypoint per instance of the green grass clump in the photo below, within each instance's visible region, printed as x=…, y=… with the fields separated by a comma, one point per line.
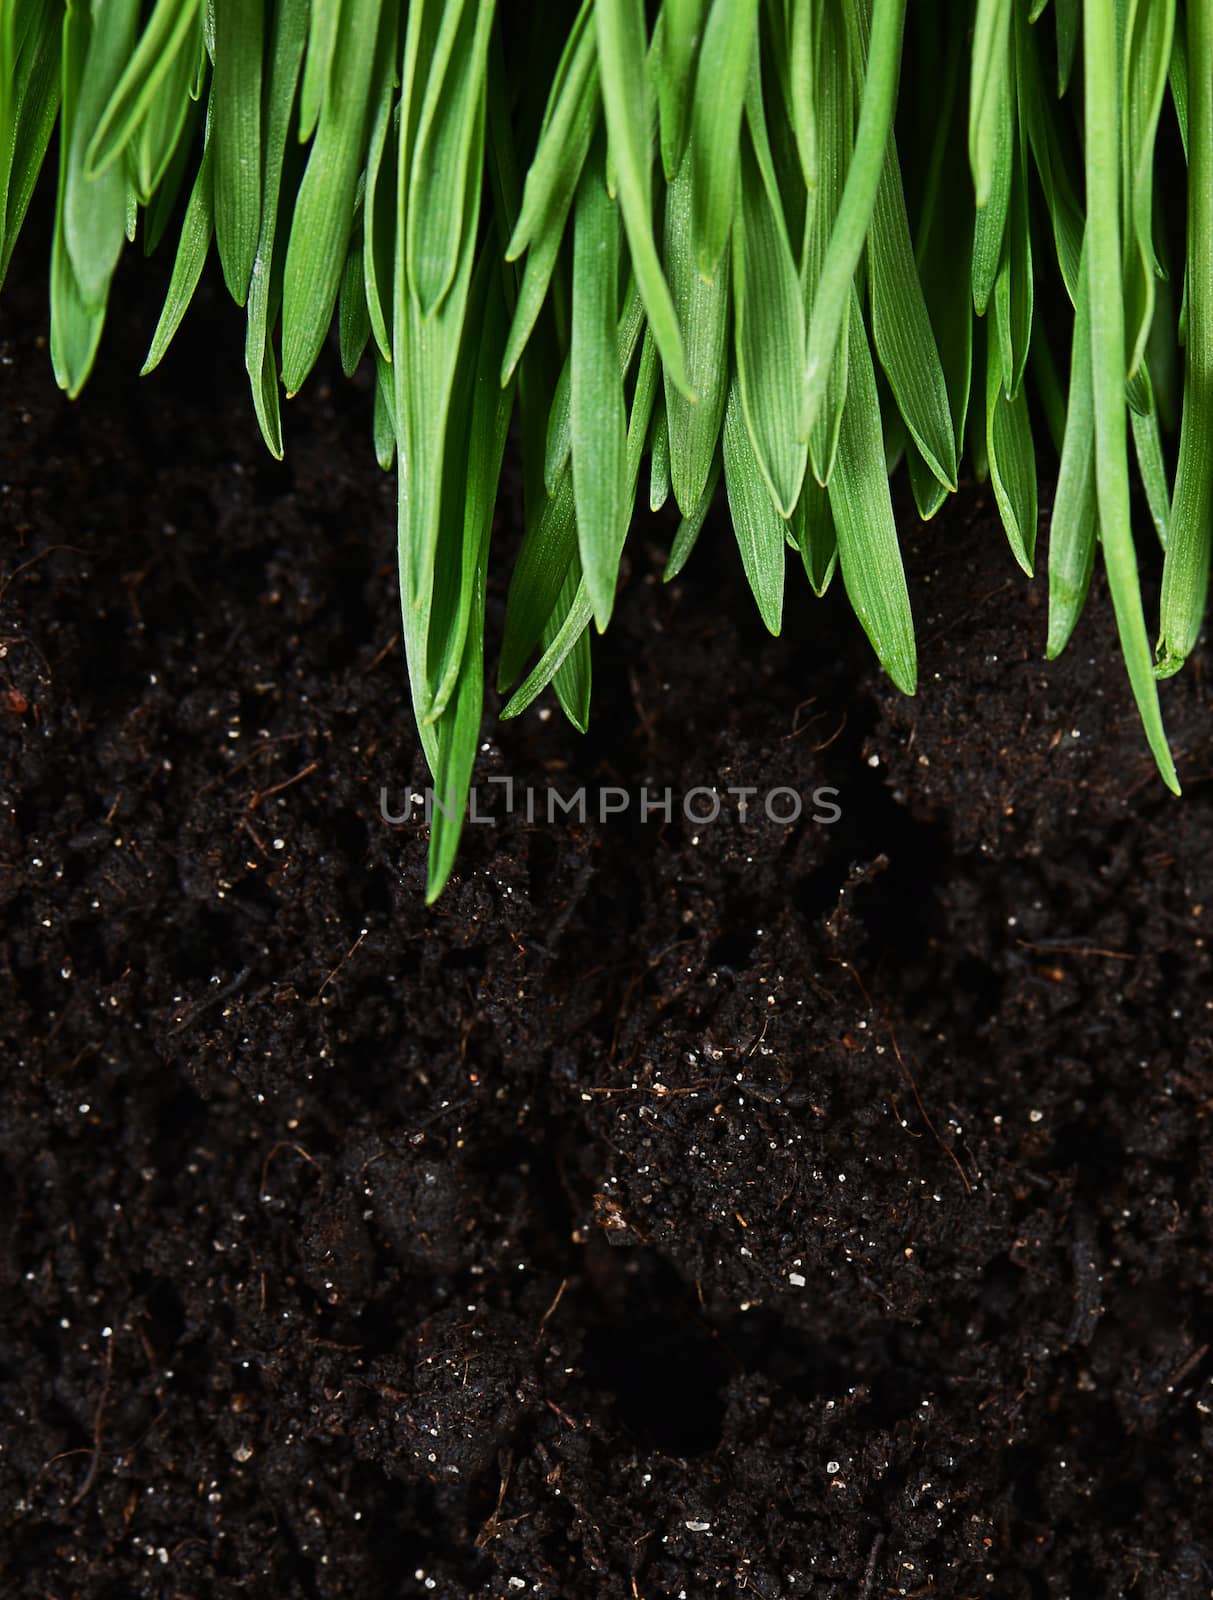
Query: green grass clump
x=792, y=243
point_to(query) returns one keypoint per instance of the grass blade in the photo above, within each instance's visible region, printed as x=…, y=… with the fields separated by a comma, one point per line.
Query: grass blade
x=75, y=325
x=1014, y=291
x=1045, y=128
x=758, y=527
x=573, y=678
x=1151, y=467
x=573, y=94
x=324, y=23
x=1073, y=527
x=173, y=31
x=324, y=207
x=378, y=215
x=598, y=418
x=691, y=526
x=828, y=320
x=814, y=535
x=474, y=456
x=990, y=220
x=1067, y=14
x=625, y=99
x=159, y=137
x=768, y=316
x=868, y=552
x=545, y=235
x=548, y=547
x=1185, y=576
x=553, y=658
x=720, y=88
x=901, y=328
x=30, y=107
x=384, y=419
x=703, y=306
x=1103, y=262
x=682, y=28
x=560, y=421
x=659, y=458
x=452, y=110
x=239, y=46
x=989, y=95
x=1011, y=454
x=197, y=229
x=353, y=318
x=1149, y=32
x=833, y=146
x=94, y=210
x=288, y=36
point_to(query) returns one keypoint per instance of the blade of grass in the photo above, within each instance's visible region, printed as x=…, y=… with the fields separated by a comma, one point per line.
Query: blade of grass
x=573, y=678
x=324, y=207
x=826, y=324
x=1067, y=14
x=173, y=29
x=1074, y=524
x=325, y=21
x=758, y=527
x=544, y=239
x=1185, y=575
x=1013, y=286
x=197, y=229
x=379, y=220
x=537, y=680
x=868, y=552
x=353, y=318
x=32, y=106
x=703, y=307
x=1011, y=454
x=162, y=206
x=768, y=320
x=453, y=107
x=598, y=418
x=625, y=98
x=814, y=535
x=691, y=526
x=1149, y=31
x=988, y=94
x=682, y=28
x=239, y=46
x=1151, y=466
x=475, y=463
x=990, y=219
x=1107, y=366
x=158, y=137
x=560, y=419
x=834, y=141
x=659, y=458
x=548, y=546
x=573, y=93
x=1045, y=126
x=75, y=325
x=288, y=35
x=94, y=211
x=901, y=328
x=383, y=425
x=716, y=107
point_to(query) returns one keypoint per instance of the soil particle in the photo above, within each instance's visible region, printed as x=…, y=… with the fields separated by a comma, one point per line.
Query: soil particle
x=814, y=1207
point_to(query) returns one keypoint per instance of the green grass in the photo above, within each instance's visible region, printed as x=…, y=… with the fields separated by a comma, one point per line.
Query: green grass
x=786, y=243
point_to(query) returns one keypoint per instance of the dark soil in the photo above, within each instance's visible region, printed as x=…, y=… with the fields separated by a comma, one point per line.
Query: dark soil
x=762, y=1209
